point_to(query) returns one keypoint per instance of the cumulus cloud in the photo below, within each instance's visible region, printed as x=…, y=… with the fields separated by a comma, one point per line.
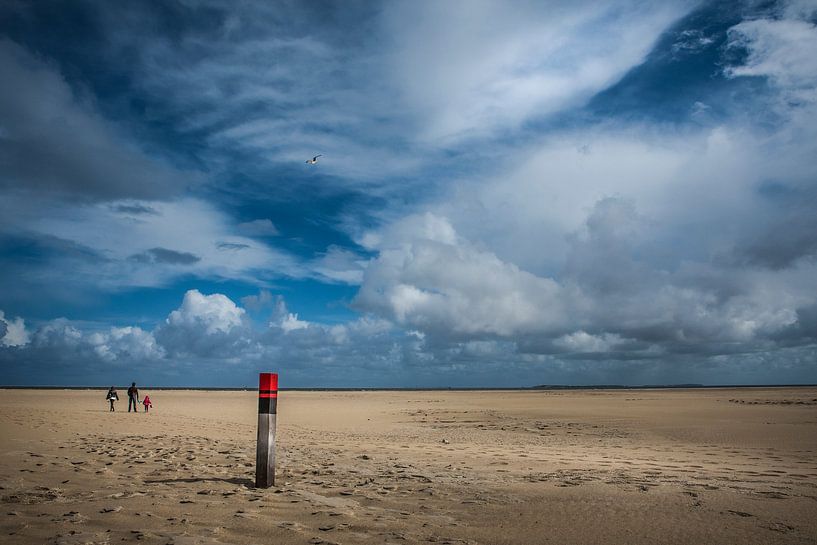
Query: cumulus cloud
x=584, y=342
x=13, y=332
x=256, y=303
x=668, y=241
x=57, y=333
x=209, y=340
x=212, y=314
x=126, y=343
x=281, y=318
x=429, y=278
x=209, y=332
x=426, y=277
x=205, y=326
x=290, y=322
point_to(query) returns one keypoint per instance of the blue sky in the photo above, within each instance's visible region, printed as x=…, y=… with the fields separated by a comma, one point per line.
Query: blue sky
x=509, y=194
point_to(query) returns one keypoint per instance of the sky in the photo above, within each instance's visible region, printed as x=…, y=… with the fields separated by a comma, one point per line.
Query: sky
x=509, y=194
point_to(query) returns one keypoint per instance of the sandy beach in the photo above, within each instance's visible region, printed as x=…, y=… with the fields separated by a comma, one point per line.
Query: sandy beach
x=516, y=467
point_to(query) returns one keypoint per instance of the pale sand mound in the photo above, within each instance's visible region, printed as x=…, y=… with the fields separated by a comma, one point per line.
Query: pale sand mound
x=697, y=466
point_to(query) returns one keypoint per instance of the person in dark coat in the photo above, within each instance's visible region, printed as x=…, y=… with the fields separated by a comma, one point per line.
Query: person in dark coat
x=133, y=398
x=112, y=396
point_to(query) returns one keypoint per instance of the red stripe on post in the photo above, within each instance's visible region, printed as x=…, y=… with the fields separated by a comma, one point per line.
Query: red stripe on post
x=268, y=395
x=268, y=381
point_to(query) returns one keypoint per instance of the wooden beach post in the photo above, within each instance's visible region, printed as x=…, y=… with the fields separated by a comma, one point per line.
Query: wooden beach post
x=265, y=449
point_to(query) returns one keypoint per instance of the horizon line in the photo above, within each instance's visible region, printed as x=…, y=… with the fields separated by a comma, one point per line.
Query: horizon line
x=431, y=389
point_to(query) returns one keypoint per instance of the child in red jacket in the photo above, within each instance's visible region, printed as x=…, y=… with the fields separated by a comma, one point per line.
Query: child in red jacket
x=146, y=402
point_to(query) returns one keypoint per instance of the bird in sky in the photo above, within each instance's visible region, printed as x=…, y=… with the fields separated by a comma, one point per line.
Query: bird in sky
x=313, y=160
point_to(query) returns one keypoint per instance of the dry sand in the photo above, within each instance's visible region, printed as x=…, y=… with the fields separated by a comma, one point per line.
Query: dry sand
x=633, y=466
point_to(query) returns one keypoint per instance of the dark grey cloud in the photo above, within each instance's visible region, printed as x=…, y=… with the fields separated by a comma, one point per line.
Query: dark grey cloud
x=786, y=232
x=39, y=248
x=166, y=256
x=264, y=300
x=231, y=246
x=135, y=209
x=41, y=272
x=602, y=258
x=54, y=140
x=259, y=227
x=692, y=308
x=802, y=331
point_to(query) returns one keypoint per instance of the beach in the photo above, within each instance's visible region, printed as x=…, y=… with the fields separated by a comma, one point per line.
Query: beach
x=402, y=467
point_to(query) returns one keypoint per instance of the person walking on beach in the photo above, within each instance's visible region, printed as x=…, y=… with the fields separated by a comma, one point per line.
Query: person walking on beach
x=112, y=396
x=146, y=402
x=133, y=397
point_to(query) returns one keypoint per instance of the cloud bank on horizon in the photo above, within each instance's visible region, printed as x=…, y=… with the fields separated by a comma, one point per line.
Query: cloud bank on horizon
x=508, y=195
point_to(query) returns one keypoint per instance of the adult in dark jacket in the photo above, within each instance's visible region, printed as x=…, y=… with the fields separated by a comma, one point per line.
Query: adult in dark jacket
x=112, y=396
x=133, y=397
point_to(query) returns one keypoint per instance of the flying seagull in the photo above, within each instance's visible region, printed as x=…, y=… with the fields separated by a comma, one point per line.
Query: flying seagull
x=313, y=160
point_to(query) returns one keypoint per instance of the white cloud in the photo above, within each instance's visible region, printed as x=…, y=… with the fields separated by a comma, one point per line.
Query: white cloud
x=207, y=327
x=426, y=277
x=126, y=343
x=472, y=68
x=15, y=333
x=612, y=278
x=364, y=351
x=57, y=333
x=290, y=322
x=211, y=314
x=285, y=320
x=583, y=342
x=782, y=50
x=691, y=42
x=339, y=265
x=548, y=187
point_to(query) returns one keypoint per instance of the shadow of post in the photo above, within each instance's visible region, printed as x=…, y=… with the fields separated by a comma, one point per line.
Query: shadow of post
x=246, y=483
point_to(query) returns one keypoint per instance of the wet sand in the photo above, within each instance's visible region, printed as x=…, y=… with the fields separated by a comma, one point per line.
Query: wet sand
x=562, y=467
